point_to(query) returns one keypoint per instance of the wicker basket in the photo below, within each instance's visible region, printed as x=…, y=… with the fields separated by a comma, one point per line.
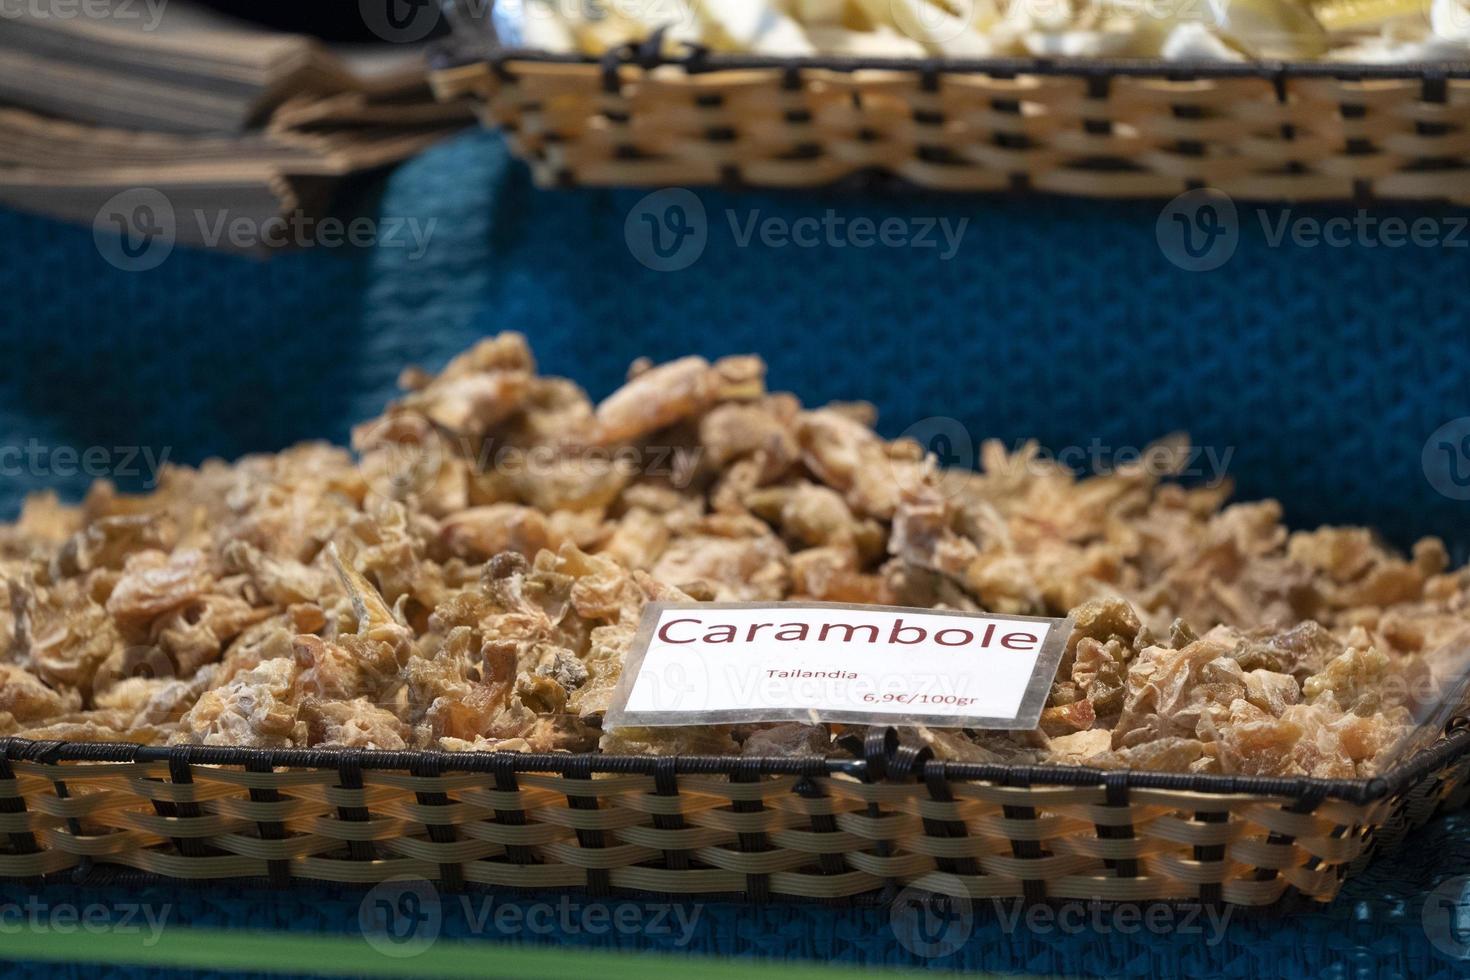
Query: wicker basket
x=1103, y=129
x=686, y=826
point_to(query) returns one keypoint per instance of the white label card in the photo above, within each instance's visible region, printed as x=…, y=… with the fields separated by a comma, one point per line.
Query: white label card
x=734, y=662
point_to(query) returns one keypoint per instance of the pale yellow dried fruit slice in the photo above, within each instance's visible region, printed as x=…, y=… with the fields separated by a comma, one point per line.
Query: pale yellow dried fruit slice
x=752, y=25
x=1367, y=15
x=1268, y=29
x=955, y=28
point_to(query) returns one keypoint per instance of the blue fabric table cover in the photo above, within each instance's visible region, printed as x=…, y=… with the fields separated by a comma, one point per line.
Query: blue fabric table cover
x=1321, y=370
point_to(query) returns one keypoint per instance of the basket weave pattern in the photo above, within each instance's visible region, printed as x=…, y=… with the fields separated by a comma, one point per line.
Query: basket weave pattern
x=1289, y=133
x=808, y=828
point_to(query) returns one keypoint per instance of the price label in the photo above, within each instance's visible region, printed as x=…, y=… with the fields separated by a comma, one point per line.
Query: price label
x=736, y=662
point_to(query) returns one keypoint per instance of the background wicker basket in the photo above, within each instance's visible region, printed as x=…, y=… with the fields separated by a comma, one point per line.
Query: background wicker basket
x=1268, y=131
x=687, y=826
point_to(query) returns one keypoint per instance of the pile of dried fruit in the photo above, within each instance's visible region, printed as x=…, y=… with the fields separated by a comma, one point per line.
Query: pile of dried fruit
x=474, y=579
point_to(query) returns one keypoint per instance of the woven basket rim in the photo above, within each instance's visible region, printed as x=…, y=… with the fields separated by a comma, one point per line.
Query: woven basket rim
x=1447, y=749
x=450, y=54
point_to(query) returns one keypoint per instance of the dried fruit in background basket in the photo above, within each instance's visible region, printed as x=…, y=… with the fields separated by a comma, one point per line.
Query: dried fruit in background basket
x=473, y=580
x=1228, y=30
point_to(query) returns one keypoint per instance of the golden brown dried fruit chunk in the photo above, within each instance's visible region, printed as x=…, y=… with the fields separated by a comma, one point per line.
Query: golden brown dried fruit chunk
x=26, y=699
x=786, y=740
x=1178, y=693
x=61, y=633
x=661, y=396
x=355, y=724
x=696, y=740
x=107, y=542
x=740, y=568
x=1081, y=748
x=254, y=709
x=154, y=583
x=479, y=533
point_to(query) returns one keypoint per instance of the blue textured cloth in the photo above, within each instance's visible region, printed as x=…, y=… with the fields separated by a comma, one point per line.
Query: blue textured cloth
x=1323, y=371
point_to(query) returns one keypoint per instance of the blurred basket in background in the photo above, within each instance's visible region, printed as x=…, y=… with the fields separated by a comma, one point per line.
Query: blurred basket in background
x=1114, y=129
